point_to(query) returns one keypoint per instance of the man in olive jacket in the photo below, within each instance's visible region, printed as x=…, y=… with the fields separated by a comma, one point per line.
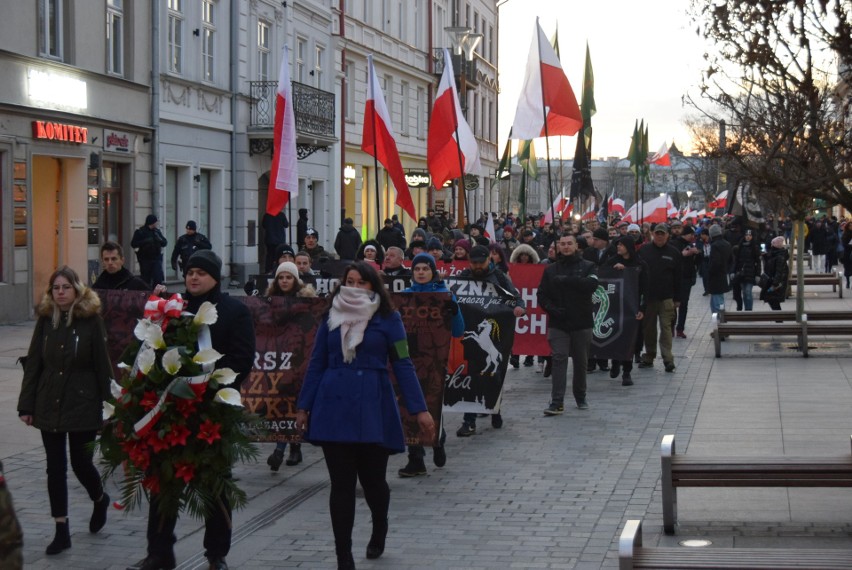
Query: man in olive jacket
x=565, y=293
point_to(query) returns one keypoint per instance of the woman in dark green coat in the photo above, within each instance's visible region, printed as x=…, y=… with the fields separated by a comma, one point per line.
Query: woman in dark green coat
x=66, y=380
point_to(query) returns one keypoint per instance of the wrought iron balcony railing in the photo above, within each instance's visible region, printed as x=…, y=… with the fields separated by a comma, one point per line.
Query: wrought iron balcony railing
x=461, y=67
x=313, y=108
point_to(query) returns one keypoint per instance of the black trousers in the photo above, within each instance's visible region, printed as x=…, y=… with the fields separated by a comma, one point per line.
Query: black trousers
x=346, y=462
x=81, y=464
x=217, y=532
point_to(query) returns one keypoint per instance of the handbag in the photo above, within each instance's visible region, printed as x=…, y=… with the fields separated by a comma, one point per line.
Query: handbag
x=764, y=281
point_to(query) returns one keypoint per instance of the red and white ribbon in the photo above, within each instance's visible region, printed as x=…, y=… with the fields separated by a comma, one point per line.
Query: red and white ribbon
x=197, y=383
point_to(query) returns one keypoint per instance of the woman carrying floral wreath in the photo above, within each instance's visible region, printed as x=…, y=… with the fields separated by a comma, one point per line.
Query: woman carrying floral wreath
x=353, y=410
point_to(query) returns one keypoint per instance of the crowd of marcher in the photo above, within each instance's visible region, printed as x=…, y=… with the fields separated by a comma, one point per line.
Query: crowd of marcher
x=357, y=424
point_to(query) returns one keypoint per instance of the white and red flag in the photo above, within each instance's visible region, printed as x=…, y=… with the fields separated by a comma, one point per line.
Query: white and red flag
x=661, y=157
x=451, y=148
x=378, y=139
x=546, y=92
x=591, y=211
x=616, y=205
x=562, y=208
x=284, y=174
x=490, y=233
x=721, y=201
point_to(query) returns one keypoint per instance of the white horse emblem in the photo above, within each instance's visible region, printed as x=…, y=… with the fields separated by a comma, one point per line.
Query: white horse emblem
x=482, y=336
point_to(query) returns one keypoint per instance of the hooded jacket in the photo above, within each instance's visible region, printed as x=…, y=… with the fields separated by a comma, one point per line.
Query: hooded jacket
x=565, y=292
x=67, y=375
x=522, y=249
x=778, y=271
x=347, y=242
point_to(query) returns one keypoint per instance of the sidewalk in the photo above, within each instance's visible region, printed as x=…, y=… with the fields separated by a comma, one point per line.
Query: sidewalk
x=539, y=493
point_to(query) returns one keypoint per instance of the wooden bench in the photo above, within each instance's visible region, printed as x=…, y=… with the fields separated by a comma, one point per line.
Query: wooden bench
x=722, y=330
x=771, y=316
x=632, y=554
x=833, y=279
x=783, y=471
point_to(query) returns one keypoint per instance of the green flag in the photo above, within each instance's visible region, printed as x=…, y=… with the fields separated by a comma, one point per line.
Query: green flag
x=554, y=41
x=522, y=196
x=646, y=168
x=526, y=158
x=505, y=162
x=634, y=149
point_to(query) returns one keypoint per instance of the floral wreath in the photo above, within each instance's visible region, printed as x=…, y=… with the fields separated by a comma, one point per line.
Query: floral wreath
x=171, y=421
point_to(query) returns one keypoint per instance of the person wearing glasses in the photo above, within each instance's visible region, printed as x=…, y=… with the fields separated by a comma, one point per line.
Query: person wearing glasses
x=66, y=380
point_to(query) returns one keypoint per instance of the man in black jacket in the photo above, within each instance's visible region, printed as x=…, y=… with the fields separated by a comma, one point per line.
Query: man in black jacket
x=664, y=290
x=481, y=269
x=718, y=269
x=390, y=237
x=117, y=277
x=565, y=294
x=348, y=241
x=187, y=244
x=233, y=336
x=148, y=241
x=598, y=252
x=690, y=260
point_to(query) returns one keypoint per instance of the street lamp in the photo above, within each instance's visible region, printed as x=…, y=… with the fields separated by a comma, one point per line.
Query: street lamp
x=464, y=43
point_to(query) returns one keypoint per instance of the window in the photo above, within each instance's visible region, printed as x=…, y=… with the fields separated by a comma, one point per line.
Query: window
x=50, y=28
x=386, y=15
x=301, y=55
x=406, y=108
x=350, y=90
x=491, y=44
x=419, y=22
x=368, y=11
x=263, y=51
x=319, y=56
x=402, y=19
x=420, y=114
x=204, y=193
x=208, y=37
x=387, y=88
x=115, y=37
x=175, y=36
x=490, y=120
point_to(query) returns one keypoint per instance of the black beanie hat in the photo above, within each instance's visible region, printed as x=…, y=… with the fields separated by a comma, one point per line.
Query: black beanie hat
x=150, y=219
x=207, y=261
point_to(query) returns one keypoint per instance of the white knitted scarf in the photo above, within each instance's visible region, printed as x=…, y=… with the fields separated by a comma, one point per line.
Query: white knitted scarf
x=351, y=310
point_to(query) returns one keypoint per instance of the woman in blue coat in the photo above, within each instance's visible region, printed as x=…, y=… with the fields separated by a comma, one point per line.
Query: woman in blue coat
x=426, y=279
x=348, y=397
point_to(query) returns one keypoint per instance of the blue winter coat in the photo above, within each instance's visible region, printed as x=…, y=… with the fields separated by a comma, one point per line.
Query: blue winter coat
x=354, y=402
x=457, y=328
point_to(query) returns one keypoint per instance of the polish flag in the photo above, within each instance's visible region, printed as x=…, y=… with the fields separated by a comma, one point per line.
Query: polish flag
x=591, y=211
x=721, y=201
x=631, y=214
x=560, y=205
x=672, y=211
x=489, y=229
x=656, y=210
x=449, y=133
x=616, y=205
x=661, y=157
x=284, y=174
x=546, y=91
x=690, y=214
x=378, y=139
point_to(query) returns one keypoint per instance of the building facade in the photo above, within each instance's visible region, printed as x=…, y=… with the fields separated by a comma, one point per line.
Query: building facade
x=75, y=143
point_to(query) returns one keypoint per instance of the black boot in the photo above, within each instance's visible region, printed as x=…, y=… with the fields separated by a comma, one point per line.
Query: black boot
x=344, y=558
x=615, y=370
x=416, y=466
x=275, y=459
x=376, y=546
x=99, y=514
x=528, y=361
x=61, y=540
x=515, y=361
x=295, y=454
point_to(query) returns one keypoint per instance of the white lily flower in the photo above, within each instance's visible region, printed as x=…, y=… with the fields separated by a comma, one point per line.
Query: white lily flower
x=206, y=356
x=228, y=396
x=224, y=376
x=146, y=359
x=171, y=361
x=114, y=388
x=150, y=333
x=123, y=366
x=206, y=315
x=108, y=411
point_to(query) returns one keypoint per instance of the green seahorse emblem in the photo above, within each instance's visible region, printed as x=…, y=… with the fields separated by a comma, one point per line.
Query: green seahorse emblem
x=603, y=325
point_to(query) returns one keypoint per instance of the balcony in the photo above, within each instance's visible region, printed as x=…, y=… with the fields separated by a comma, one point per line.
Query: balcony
x=313, y=110
x=461, y=67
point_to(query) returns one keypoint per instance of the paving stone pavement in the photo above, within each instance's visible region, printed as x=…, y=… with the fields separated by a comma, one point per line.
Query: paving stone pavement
x=542, y=492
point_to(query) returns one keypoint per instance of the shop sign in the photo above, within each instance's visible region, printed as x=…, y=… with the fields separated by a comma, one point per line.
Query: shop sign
x=60, y=132
x=418, y=179
x=117, y=141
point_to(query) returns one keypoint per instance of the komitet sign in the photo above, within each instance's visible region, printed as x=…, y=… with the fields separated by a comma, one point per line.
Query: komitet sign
x=61, y=132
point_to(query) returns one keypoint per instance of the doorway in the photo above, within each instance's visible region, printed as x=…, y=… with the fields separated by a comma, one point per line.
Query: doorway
x=46, y=220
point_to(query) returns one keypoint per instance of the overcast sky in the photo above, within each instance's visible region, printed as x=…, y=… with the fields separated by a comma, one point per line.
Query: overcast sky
x=645, y=56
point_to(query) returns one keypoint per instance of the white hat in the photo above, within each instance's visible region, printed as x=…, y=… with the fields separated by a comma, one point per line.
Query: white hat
x=290, y=268
x=369, y=246
x=634, y=228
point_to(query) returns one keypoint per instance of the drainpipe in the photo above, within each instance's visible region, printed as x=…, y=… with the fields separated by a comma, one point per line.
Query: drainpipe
x=343, y=104
x=155, y=108
x=234, y=71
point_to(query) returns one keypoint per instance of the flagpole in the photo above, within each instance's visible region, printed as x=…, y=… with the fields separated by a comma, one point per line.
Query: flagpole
x=378, y=192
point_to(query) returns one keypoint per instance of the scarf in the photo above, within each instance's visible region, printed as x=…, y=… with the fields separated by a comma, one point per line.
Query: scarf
x=351, y=310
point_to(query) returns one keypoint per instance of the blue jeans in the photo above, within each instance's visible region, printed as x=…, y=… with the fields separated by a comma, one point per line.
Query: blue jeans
x=748, y=296
x=717, y=302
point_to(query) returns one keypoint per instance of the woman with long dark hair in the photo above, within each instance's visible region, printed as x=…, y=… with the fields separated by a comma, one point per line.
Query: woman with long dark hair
x=348, y=397
x=66, y=380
